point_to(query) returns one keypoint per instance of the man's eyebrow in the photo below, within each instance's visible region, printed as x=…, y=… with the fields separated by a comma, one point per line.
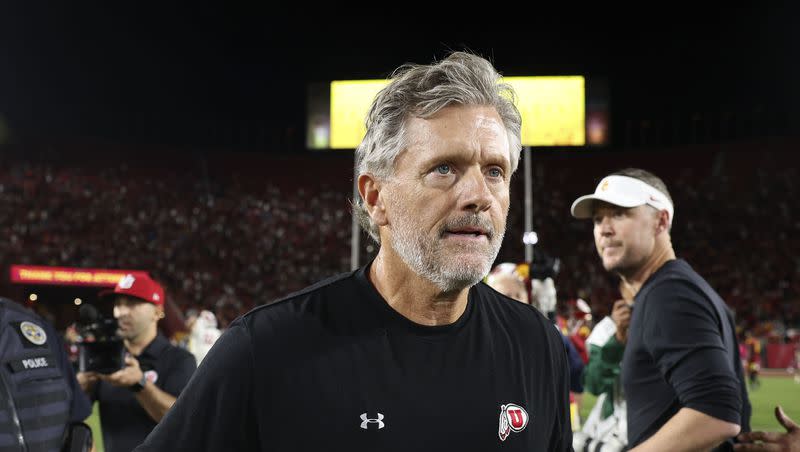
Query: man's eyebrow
x=494, y=158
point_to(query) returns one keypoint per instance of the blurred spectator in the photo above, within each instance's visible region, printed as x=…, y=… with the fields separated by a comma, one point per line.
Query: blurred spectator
x=203, y=333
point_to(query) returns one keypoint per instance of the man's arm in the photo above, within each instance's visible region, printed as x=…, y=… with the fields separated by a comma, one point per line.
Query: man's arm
x=154, y=401
x=689, y=430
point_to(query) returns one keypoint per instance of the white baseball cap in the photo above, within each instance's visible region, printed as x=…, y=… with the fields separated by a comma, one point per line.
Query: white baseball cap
x=622, y=191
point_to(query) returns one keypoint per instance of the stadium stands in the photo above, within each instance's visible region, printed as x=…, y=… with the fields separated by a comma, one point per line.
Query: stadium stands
x=254, y=228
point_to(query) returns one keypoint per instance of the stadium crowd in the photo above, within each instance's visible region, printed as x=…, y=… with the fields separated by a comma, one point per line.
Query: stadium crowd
x=246, y=232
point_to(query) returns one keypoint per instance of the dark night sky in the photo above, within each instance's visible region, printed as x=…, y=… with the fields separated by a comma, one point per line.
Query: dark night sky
x=81, y=66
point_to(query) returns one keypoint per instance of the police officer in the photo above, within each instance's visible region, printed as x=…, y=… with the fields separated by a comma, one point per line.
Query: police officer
x=135, y=398
x=39, y=395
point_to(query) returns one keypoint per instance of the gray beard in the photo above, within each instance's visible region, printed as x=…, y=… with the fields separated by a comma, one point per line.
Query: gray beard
x=425, y=256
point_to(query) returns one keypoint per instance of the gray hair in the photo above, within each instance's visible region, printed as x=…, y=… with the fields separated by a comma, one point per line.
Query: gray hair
x=421, y=91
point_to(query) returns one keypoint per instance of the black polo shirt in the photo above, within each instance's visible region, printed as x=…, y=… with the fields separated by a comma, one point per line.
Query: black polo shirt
x=125, y=423
x=334, y=367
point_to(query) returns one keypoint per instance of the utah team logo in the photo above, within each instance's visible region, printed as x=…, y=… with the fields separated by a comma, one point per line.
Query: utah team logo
x=366, y=422
x=33, y=332
x=151, y=376
x=513, y=418
x=126, y=282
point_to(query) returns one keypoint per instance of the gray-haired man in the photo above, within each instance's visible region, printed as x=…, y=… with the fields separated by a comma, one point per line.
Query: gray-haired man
x=410, y=352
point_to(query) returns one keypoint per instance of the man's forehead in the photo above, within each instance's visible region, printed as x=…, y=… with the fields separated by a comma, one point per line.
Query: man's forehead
x=123, y=299
x=459, y=129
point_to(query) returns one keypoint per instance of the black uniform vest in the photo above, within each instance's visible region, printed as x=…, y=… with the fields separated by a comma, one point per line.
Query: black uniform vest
x=34, y=395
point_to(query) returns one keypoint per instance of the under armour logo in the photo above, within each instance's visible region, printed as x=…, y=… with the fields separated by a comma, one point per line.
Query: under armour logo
x=367, y=421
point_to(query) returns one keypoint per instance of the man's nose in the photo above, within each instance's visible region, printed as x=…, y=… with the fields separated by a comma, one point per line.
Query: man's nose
x=475, y=193
x=605, y=226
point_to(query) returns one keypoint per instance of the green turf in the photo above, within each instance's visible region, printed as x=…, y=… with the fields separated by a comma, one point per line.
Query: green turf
x=94, y=423
x=773, y=391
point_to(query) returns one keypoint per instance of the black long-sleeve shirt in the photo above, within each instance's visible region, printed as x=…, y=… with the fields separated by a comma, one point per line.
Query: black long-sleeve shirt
x=681, y=352
x=334, y=367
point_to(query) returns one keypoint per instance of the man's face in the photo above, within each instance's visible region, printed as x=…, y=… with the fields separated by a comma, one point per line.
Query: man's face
x=625, y=237
x=134, y=316
x=447, y=202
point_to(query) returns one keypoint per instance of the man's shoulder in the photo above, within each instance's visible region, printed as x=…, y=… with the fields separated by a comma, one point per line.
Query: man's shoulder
x=14, y=308
x=677, y=292
x=675, y=280
x=522, y=315
x=340, y=284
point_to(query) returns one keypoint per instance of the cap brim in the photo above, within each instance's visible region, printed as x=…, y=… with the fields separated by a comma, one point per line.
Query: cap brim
x=110, y=293
x=583, y=207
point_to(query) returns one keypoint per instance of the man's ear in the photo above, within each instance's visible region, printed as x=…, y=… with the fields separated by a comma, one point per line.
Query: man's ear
x=370, y=188
x=662, y=221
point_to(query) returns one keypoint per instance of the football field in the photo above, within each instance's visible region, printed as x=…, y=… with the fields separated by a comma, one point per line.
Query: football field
x=774, y=390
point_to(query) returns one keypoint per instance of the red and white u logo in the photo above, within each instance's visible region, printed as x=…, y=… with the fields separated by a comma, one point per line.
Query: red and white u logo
x=513, y=418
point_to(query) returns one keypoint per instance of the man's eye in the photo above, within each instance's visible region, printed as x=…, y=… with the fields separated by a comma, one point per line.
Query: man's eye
x=444, y=168
x=495, y=172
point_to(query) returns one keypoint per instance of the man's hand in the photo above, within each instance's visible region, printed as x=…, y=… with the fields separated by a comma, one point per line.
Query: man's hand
x=621, y=315
x=772, y=441
x=87, y=380
x=126, y=377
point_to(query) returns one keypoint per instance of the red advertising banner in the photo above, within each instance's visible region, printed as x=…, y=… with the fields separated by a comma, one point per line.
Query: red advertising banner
x=65, y=276
x=780, y=356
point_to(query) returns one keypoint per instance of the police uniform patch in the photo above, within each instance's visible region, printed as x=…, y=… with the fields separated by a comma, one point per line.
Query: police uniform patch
x=33, y=333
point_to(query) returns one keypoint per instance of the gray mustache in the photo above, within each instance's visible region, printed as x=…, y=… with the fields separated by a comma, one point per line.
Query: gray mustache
x=475, y=221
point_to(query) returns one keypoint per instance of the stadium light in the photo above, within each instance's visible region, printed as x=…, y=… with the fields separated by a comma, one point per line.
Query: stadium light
x=33, y=297
x=78, y=302
x=530, y=238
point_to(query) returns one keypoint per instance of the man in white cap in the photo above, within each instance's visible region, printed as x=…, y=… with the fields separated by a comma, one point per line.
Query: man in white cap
x=681, y=373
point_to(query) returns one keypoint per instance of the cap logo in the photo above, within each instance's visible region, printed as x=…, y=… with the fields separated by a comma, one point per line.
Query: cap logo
x=126, y=282
x=604, y=185
x=156, y=297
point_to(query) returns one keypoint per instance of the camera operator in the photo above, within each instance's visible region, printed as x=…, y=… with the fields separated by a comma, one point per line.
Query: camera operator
x=135, y=398
x=41, y=407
